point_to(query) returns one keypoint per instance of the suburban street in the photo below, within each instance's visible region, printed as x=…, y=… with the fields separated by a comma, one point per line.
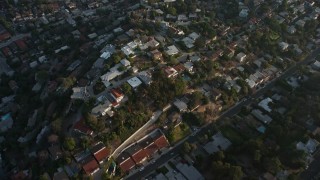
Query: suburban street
x=230, y=112
x=14, y=38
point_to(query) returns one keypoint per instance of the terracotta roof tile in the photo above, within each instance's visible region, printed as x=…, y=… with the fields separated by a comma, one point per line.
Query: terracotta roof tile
x=90, y=167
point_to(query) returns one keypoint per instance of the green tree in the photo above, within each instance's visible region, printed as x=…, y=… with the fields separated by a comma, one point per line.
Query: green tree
x=200, y=42
x=42, y=76
x=69, y=143
x=179, y=86
x=68, y=82
x=126, y=88
x=116, y=58
x=85, y=142
x=56, y=125
x=172, y=11
x=91, y=120
x=187, y=147
x=272, y=165
x=219, y=156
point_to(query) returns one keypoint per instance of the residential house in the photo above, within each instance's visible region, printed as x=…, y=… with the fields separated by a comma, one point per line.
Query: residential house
x=291, y=30
x=300, y=23
x=194, y=36
x=134, y=82
x=283, y=46
x=175, y=118
x=149, y=146
x=145, y=77
x=102, y=109
x=125, y=162
x=113, y=73
x=194, y=58
x=152, y=43
x=217, y=54
x=309, y=147
x=261, y=117
x=244, y=13
x=55, y=152
x=82, y=128
x=6, y=122
x=90, y=167
x=100, y=152
x=179, y=68
x=264, y=104
x=180, y=105
x=188, y=66
x=125, y=63
x=159, y=139
x=13, y=85
x=216, y=94
x=60, y=175
x=137, y=153
x=182, y=17
x=127, y=51
x=156, y=55
x=172, y=50
x=189, y=172
x=316, y=65
x=188, y=42
x=80, y=93
x=170, y=72
x=218, y=143
x=117, y=94
x=241, y=57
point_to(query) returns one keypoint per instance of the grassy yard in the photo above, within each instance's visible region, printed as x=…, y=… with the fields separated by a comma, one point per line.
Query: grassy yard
x=232, y=135
x=162, y=170
x=179, y=133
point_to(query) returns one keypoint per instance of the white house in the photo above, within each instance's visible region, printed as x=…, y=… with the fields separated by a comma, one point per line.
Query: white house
x=134, y=82
x=283, y=46
x=101, y=109
x=241, y=56
x=172, y=50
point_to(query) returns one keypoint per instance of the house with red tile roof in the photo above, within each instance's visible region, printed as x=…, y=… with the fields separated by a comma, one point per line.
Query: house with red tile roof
x=4, y=36
x=117, y=94
x=125, y=162
x=100, y=152
x=6, y=51
x=159, y=139
x=81, y=127
x=137, y=153
x=90, y=167
x=141, y=151
x=149, y=146
x=170, y=72
x=179, y=68
x=21, y=44
x=161, y=142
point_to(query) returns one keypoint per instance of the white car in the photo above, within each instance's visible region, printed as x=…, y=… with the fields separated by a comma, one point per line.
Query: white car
x=141, y=169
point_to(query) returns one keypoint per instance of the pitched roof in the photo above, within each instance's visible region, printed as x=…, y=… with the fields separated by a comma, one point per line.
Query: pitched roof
x=83, y=128
x=90, y=167
x=4, y=36
x=125, y=162
x=151, y=149
x=102, y=155
x=21, y=44
x=100, y=152
x=116, y=93
x=179, y=67
x=161, y=142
